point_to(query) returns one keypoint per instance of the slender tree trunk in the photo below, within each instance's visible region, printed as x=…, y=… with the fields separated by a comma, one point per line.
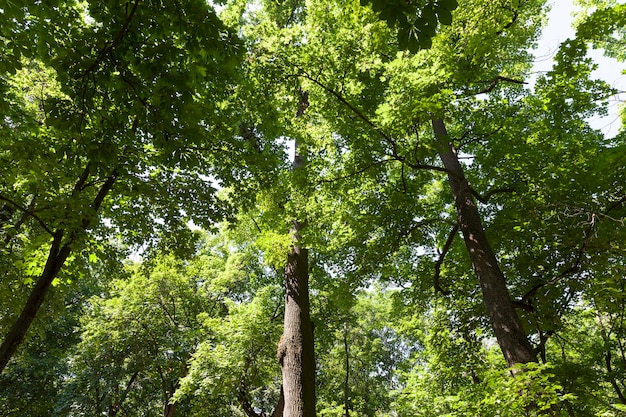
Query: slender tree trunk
x=608, y=360
x=169, y=410
x=280, y=407
x=500, y=309
x=346, y=381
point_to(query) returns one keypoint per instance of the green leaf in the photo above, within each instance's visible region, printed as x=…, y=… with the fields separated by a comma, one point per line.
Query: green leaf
x=428, y=18
x=445, y=17
x=424, y=40
x=449, y=5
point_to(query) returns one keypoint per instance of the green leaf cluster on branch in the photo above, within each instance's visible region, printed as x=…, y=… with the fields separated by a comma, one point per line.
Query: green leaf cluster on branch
x=416, y=22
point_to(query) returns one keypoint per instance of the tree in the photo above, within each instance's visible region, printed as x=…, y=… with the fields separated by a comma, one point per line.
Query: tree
x=35, y=382
x=502, y=313
x=170, y=324
x=234, y=369
x=390, y=124
x=295, y=351
x=133, y=121
x=444, y=223
x=137, y=342
x=362, y=350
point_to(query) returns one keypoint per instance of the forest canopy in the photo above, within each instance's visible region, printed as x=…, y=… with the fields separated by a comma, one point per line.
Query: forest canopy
x=309, y=208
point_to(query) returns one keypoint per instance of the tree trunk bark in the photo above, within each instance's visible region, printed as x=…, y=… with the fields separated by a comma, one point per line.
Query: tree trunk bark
x=500, y=309
x=169, y=410
x=296, y=352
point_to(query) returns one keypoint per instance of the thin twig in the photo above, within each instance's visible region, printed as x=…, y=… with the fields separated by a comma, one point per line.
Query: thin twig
x=28, y=212
x=485, y=198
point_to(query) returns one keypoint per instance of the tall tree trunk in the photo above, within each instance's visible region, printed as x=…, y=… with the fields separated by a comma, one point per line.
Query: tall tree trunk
x=500, y=309
x=296, y=352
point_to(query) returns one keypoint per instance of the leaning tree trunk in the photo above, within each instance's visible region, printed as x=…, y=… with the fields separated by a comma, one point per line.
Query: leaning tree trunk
x=500, y=309
x=57, y=256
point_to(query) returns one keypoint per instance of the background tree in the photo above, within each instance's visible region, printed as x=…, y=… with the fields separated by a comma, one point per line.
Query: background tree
x=137, y=342
x=234, y=370
x=35, y=383
x=132, y=123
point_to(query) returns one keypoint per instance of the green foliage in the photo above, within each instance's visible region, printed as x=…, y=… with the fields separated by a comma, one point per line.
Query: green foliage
x=172, y=103
x=35, y=383
x=416, y=21
x=361, y=354
x=236, y=358
x=171, y=306
x=602, y=24
x=459, y=372
x=117, y=122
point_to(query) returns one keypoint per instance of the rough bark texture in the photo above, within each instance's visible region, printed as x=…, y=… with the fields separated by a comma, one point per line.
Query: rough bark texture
x=500, y=308
x=295, y=350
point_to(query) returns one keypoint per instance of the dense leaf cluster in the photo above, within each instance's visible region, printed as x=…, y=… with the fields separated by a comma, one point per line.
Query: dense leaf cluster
x=416, y=21
x=126, y=126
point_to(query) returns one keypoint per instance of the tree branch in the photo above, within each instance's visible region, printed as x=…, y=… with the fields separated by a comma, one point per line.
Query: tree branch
x=466, y=140
x=493, y=83
x=426, y=167
x=118, y=38
x=359, y=114
x=442, y=255
x=484, y=199
x=119, y=404
x=346, y=386
x=346, y=103
x=28, y=212
x=357, y=172
x=512, y=22
x=575, y=266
